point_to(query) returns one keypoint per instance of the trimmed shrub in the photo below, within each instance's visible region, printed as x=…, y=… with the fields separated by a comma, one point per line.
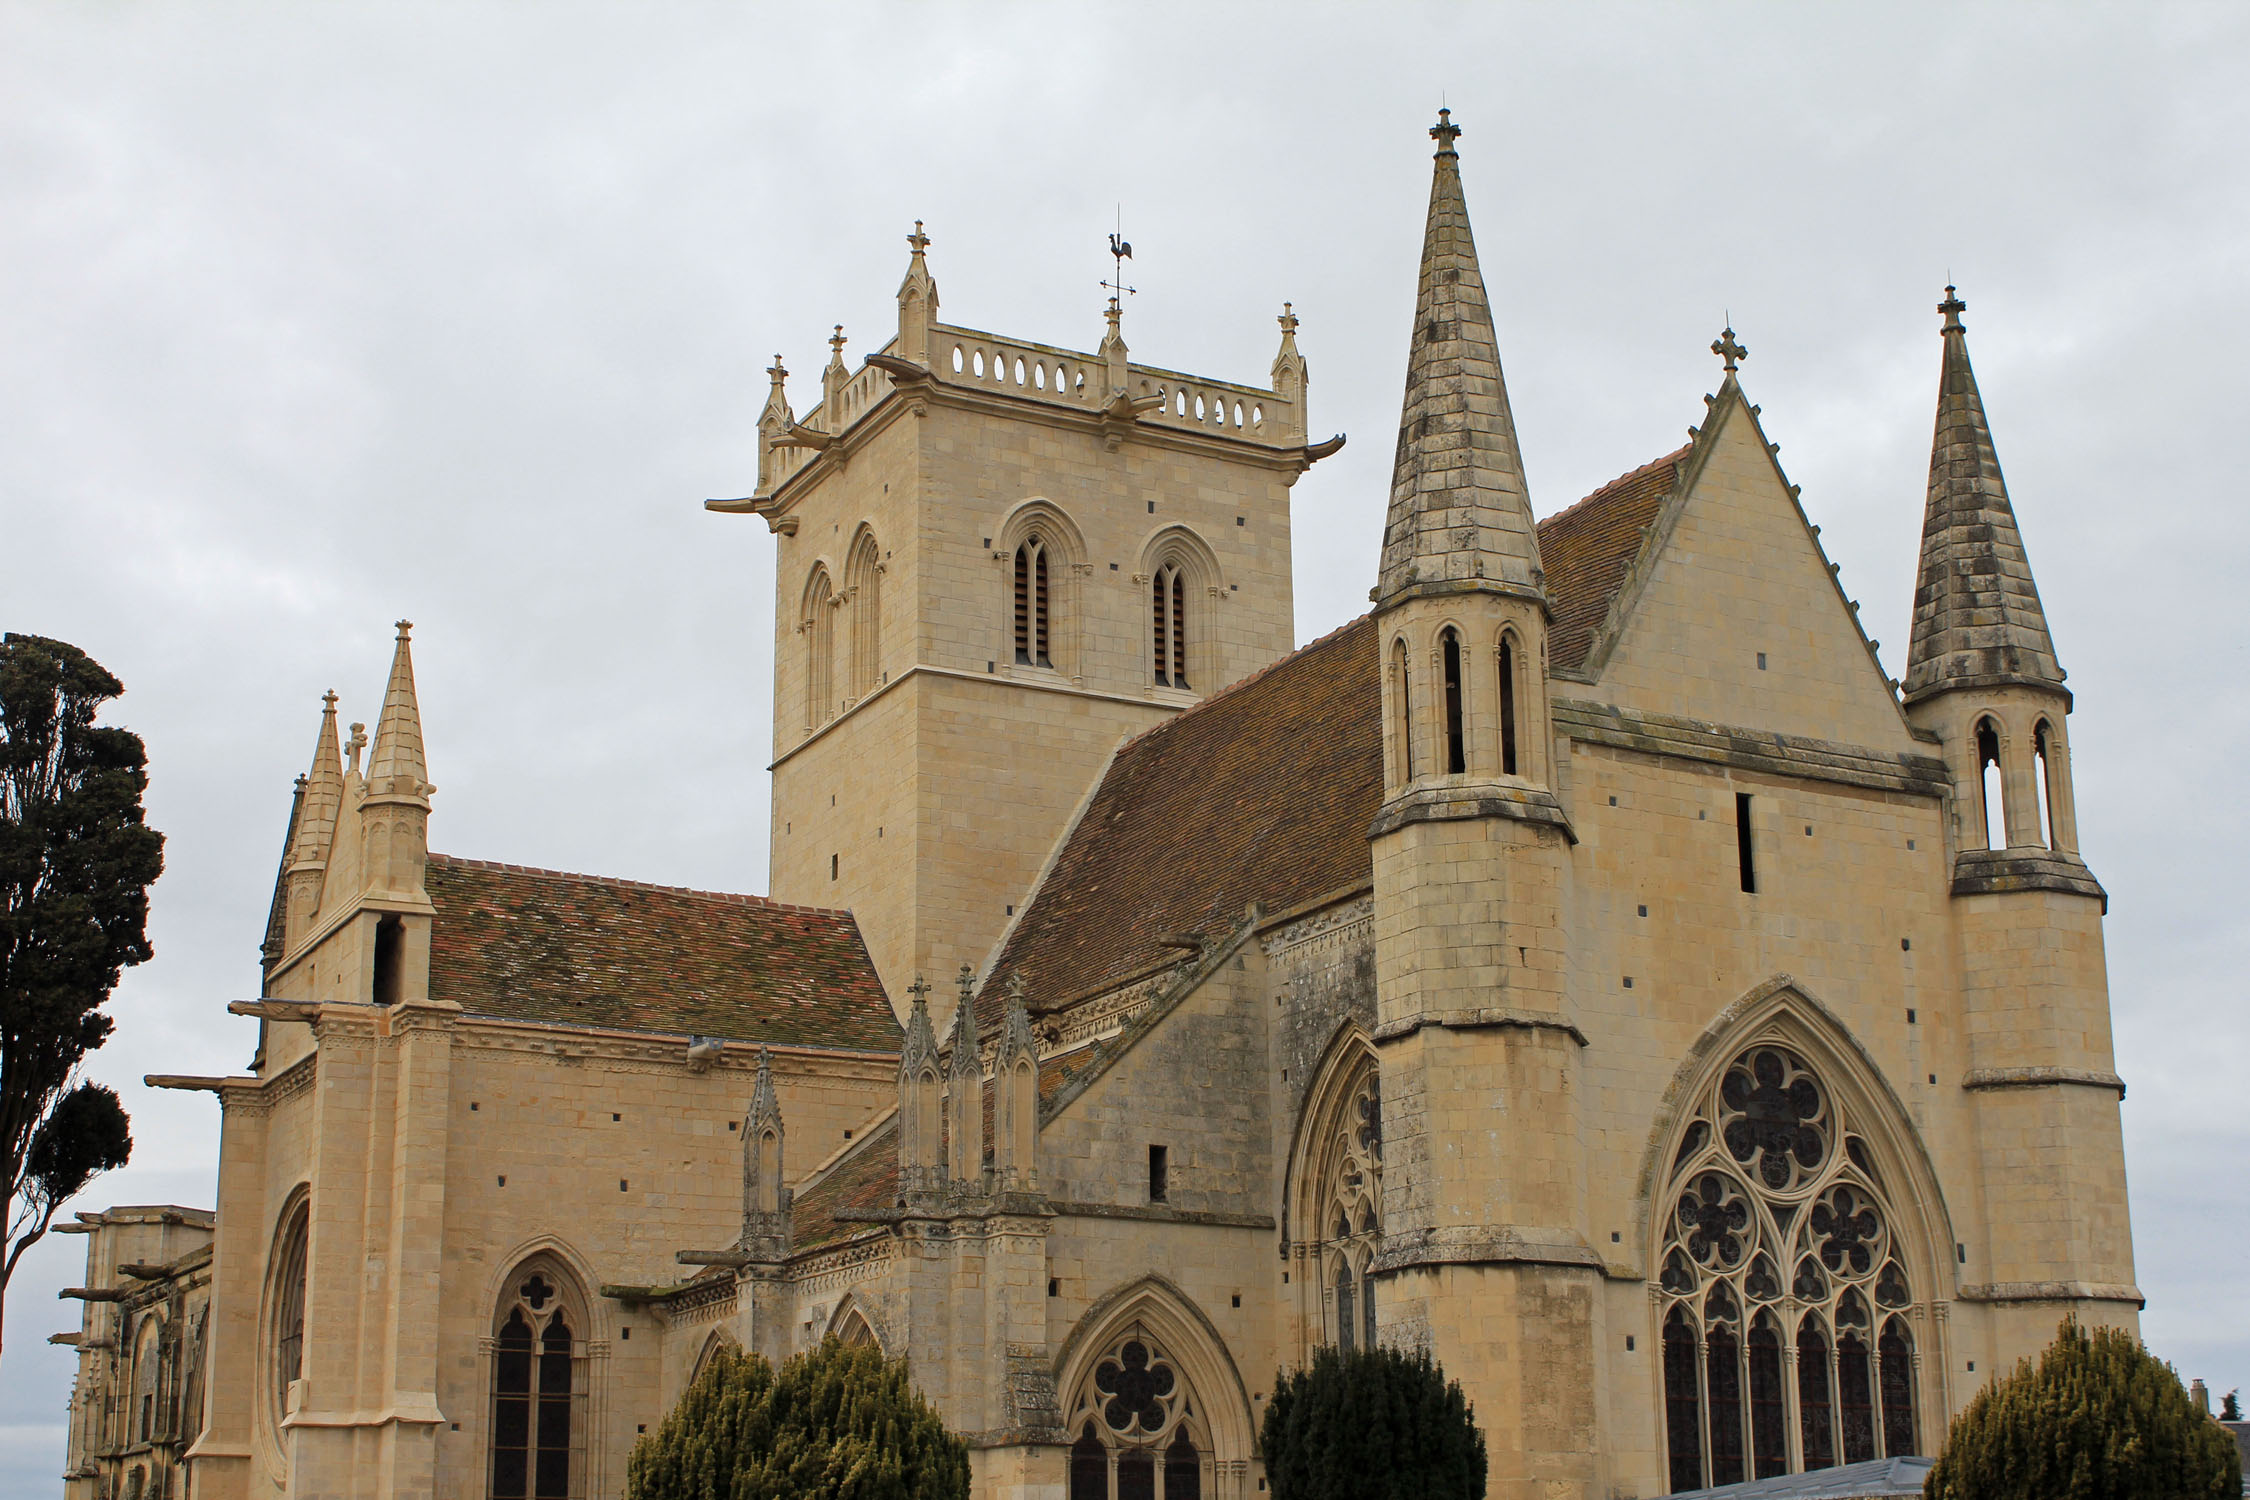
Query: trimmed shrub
x=837, y=1423
x=2098, y=1418
x=1372, y=1424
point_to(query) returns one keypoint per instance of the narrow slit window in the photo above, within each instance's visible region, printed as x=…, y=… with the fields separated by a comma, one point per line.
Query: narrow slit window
x=1167, y=609
x=1034, y=644
x=2043, y=783
x=1989, y=786
x=1507, y=706
x=1743, y=846
x=389, y=933
x=1456, y=751
x=1401, y=681
x=1159, y=1186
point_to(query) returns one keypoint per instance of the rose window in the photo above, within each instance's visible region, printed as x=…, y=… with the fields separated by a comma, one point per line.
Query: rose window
x=1780, y=1249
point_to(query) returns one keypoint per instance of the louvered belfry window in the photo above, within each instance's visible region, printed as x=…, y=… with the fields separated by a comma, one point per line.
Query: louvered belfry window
x=1167, y=609
x=1032, y=619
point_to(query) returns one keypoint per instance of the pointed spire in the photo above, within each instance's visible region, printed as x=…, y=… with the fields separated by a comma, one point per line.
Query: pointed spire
x=917, y=301
x=1977, y=617
x=1460, y=513
x=323, y=794
x=920, y=1042
x=395, y=768
x=968, y=1059
x=1017, y=1039
x=832, y=381
x=765, y=1109
x=1289, y=374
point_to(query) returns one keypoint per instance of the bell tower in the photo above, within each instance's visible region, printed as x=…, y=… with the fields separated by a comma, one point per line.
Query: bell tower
x=1471, y=885
x=997, y=559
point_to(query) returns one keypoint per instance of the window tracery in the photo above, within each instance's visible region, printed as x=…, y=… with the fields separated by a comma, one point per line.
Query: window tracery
x=288, y=1348
x=1138, y=1433
x=1351, y=1209
x=1783, y=1289
x=539, y=1382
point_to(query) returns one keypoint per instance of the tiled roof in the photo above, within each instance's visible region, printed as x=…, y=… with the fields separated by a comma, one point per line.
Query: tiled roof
x=1264, y=792
x=539, y=945
x=864, y=1178
x=1261, y=793
x=1587, y=548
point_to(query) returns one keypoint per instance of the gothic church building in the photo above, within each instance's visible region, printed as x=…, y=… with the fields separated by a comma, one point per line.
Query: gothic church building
x=1587, y=966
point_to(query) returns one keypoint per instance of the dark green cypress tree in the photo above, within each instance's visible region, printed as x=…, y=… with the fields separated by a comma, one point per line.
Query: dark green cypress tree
x=2098, y=1418
x=1371, y=1424
x=837, y=1423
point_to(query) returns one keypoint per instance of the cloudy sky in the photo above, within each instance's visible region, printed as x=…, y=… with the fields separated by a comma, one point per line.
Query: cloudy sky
x=312, y=318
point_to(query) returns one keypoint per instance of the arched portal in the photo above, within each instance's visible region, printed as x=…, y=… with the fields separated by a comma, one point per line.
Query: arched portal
x=1152, y=1403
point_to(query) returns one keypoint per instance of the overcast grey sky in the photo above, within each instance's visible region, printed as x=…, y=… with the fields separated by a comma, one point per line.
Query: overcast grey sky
x=316, y=317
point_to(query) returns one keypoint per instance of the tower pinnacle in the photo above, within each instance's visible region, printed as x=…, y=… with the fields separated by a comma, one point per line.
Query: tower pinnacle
x=1977, y=616
x=396, y=766
x=1460, y=513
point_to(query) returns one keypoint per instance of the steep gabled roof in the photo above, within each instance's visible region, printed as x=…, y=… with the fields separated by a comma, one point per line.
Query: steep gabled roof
x=1590, y=547
x=1264, y=793
x=1261, y=793
x=540, y=945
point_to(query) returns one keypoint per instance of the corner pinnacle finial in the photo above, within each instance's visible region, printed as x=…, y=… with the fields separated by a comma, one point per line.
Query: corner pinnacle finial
x=1288, y=319
x=329, y=698
x=918, y=240
x=1952, y=307
x=403, y=627
x=1729, y=351
x=1445, y=133
x=836, y=343
x=778, y=373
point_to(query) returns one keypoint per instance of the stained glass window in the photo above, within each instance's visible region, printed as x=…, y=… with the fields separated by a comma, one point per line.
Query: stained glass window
x=1777, y=1231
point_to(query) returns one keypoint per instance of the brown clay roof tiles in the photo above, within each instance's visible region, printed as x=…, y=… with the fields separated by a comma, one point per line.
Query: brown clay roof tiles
x=863, y=1179
x=1587, y=548
x=539, y=945
x=1264, y=792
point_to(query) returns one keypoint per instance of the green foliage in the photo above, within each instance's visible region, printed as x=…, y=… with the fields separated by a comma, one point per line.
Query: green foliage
x=76, y=862
x=1372, y=1424
x=838, y=1423
x=2230, y=1406
x=2098, y=1418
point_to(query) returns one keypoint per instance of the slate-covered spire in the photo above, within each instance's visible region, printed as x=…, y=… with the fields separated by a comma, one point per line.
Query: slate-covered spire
x=1977, y=618
x=395, y=768
x=324, y=795
x=1460, y=514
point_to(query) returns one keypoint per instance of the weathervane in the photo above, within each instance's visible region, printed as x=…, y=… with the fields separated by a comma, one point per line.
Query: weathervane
x=1121, y=251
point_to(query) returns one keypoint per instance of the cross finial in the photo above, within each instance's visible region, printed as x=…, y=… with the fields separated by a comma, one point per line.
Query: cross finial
x=836, y=344
x=1952, y=307
x=920, y=988
x=1016, y=988
x=354, y=744
x=1288, y=318
x=918, y=240
x=1445, y=133
x=1727, y=349
x=777, y=372
x=967, y=980
x=329, y=699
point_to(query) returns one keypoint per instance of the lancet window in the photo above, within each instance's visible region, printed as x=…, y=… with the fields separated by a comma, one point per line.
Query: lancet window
x=288, y=1347
x=1351, y=1209
x=1990, y=784
x=1785, y=1300
x=1168, y=625
x=820, y=650
x=863, y=580
x=1507, y=705
x=1402, y=694
x=539, y=1379
x=1034, y=644
x=1136, y=1431
x=1456, y=743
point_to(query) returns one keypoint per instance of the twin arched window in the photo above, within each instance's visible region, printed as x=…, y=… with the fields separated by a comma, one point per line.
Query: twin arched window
x=1139, y=1435
x=2045, y=781
x=1785, y=1294
x=863, y=596
x=538, y=1389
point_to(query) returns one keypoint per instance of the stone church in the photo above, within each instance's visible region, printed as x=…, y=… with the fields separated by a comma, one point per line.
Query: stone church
x=1587, y=966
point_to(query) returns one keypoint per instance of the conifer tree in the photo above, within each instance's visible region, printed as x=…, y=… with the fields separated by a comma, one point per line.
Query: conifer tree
x=837, y=1423
x=1372, y=1424
x=2098, y=1418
